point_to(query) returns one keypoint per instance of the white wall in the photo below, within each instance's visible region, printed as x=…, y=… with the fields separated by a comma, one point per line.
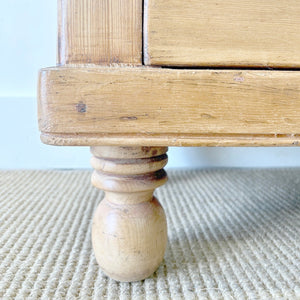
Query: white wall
x=27, y=43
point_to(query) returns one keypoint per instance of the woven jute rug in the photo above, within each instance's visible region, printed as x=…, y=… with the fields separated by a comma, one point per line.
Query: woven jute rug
x=233, y=234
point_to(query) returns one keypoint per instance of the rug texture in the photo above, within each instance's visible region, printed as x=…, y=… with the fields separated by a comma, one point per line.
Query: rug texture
x=233, y=234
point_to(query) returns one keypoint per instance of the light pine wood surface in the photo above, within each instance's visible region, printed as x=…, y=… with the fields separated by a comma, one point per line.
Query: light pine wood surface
x=176, y=140
x=222, y=33
x=129, y=227
x=153, y=102
x=99, y=31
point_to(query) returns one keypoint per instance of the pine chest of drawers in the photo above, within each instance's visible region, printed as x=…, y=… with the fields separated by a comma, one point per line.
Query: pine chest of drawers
x=134, y=77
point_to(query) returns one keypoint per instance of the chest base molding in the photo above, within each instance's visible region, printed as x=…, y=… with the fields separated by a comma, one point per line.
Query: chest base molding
x=80, y=105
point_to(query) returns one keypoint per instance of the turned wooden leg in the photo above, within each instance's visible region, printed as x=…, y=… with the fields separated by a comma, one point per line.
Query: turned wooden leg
x=129, y=227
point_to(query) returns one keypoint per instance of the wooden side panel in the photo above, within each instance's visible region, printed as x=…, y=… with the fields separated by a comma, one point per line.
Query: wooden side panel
x=145, y=102
x=99, y=31
x=227, y=33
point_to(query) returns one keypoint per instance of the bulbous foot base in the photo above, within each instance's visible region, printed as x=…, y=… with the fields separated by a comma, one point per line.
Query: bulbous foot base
x=129, y=240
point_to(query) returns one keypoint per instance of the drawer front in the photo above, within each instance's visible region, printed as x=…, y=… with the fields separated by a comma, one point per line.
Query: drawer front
x=222, y=33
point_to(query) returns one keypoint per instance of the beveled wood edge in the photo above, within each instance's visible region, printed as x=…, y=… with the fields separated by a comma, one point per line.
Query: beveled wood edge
x=175, y=140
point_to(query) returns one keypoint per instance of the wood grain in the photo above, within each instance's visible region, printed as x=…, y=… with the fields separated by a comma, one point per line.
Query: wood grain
x=223, y=33
x=143, y=102
x=129, y=227
x=179, y=140
x=99, y=31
